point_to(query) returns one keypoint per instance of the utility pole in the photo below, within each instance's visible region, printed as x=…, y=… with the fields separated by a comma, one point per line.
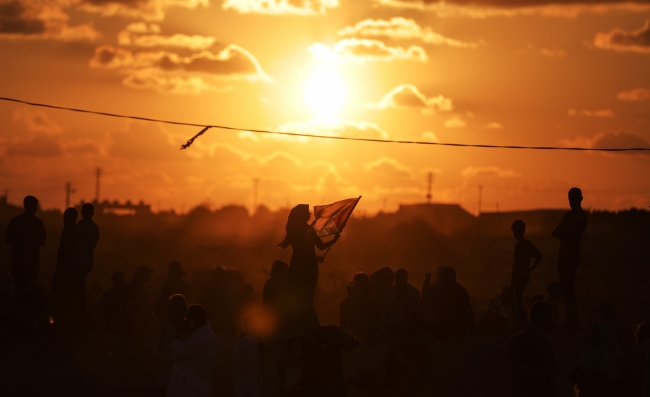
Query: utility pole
x=430, y=182
x=68, y=191
x=480, y=196
x=98, y=174
x=385, y=204
x=256, y=183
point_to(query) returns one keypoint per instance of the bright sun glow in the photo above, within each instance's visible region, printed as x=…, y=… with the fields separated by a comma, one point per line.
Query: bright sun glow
x=325, y=93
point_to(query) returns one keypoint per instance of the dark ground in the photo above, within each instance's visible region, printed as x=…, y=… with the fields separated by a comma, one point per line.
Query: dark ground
x=107, y=365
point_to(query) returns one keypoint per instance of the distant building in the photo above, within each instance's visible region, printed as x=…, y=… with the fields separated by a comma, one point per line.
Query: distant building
x=446, y=218
x=117, y=208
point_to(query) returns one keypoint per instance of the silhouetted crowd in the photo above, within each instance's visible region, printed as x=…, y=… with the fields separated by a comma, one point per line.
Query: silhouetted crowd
x=382, y=309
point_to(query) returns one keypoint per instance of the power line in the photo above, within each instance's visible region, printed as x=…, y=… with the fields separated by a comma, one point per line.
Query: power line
x=206, y=127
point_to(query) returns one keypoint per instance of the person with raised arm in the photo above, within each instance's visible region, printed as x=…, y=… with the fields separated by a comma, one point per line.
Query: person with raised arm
x=303, y=269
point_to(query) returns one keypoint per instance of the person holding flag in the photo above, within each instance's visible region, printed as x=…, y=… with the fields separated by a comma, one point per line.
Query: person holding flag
x=304, y=238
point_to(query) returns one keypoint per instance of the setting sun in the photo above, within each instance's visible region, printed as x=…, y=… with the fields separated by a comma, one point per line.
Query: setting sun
x=325, y=93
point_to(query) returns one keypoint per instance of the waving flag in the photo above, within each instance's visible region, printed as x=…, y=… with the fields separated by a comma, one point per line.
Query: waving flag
x=331, y=218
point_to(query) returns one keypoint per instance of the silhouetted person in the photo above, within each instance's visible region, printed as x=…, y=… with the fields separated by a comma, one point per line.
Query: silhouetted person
x=611, y=319
x=6, y=294
x=536, y=298
x=303, y=269
x=506, y=300
x=9, y=314
x=642, y=334
x=26, y=234
x=274, y=286
x=521, y=268
x=92, y=310
x=411, y=351
x=223, y=305
x=176, y=308
x=291, y=369
x=218, y=276
x=428, y=285
x=247, y=357
x=446, y=308
x=399, y=299
x=570, y=231
x=346, y=310
x=137, y=302
x=195, y=357
x=530, y=358
x=323, y=359
x=250, y=304
x=554, y=290
x=493, y=322
x=365, y=305
x=381, y=280
x=599, y=370
x=114, y=305
x=85, y=237
x=174, y=285
x=62, y=300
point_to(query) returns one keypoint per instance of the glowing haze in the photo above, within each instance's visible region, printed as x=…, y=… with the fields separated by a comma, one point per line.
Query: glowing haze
x=494, y=72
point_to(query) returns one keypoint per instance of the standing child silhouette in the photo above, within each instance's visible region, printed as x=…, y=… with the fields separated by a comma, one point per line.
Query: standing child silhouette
x=524, y=252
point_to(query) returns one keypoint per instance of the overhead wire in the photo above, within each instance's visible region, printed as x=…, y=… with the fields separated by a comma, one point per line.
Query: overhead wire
x=206, y=127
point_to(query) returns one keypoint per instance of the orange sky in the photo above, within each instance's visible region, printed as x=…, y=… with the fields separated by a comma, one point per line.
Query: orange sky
x=525, y=72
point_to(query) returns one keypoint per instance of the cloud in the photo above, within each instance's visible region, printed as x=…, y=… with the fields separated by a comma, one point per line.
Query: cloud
x=244, y=135
x=492, y=8
x=279, y=7
x=623, y=41
x=39, y=145
x=493, y=171
x=552, y=52
x=390, y=167
x=400, y=28
x=494, y=126
x=82, y=147
x=150, y=10
x=616, y=140
x=137, y=140
x=37, y=135
x=407, y=95
x=342, y=128
x=177, y=85
x=430, y=136
x=636, y=94
x=140, y=34
x=40, y=19
x=367, y=50
x=455, y=122
x=168, y=72
x=591, y=113
x=36, y=121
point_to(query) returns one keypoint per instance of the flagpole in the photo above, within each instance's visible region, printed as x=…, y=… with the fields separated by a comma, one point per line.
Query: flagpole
x=323, y=257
